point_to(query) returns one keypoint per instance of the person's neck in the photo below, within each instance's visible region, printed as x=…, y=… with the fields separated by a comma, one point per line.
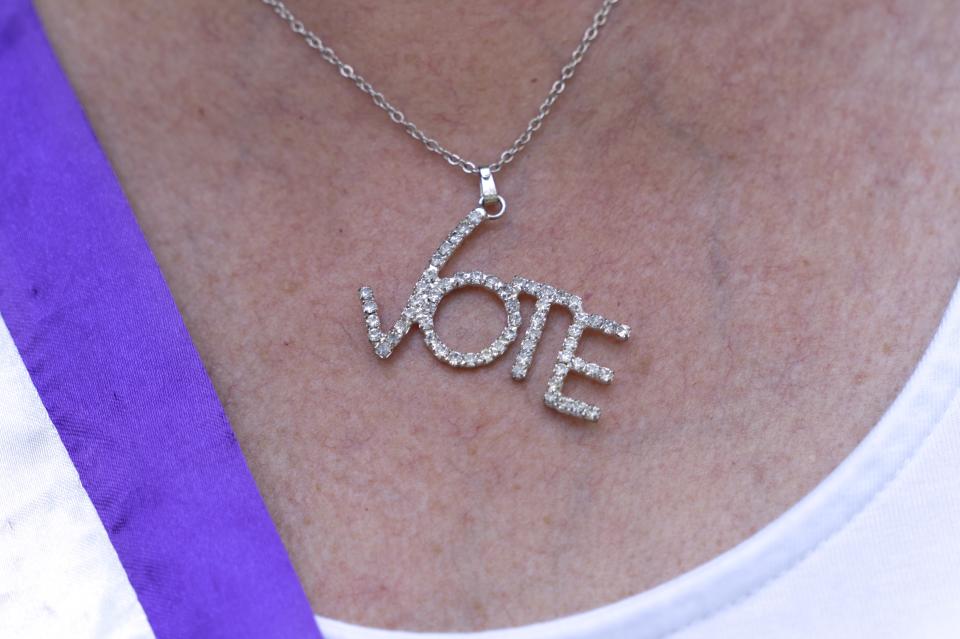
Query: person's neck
x=766, y=191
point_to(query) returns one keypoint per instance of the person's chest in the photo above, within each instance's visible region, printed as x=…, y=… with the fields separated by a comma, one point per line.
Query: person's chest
x=782, y=249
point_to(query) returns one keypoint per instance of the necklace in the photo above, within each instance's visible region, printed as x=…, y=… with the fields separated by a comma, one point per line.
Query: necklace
x=431, y=288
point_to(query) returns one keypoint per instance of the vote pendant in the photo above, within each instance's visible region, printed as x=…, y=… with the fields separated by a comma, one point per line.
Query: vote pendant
x=431, y=288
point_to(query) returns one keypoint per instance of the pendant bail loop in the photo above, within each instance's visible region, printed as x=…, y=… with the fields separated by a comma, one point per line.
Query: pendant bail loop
x=489, y=196
x=488, y=188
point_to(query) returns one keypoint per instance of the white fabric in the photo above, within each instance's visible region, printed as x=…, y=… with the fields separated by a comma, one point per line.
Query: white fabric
x=873, y=551
x=59, y=574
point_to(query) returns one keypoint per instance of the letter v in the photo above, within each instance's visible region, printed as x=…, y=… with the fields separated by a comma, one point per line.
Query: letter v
x=425, y=291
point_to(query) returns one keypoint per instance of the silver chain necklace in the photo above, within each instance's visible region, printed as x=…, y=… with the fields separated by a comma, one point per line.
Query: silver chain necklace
x=431, y=287
x=397, y=116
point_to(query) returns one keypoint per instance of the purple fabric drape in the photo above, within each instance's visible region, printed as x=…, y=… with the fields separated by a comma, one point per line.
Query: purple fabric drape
x=108, y=352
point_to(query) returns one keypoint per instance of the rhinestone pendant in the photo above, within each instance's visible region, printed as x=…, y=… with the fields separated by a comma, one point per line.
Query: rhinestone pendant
x=431, y=288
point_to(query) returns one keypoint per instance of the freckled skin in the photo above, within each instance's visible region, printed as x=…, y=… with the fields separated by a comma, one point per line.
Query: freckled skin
x=768, y=194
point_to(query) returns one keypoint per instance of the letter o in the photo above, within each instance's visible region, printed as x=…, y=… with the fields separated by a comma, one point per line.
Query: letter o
x=507, y=293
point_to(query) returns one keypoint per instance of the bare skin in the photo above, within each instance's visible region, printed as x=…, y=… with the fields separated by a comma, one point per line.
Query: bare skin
x=767, y=192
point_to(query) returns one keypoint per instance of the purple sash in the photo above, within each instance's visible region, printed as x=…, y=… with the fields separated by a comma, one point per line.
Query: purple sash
x=118, y=374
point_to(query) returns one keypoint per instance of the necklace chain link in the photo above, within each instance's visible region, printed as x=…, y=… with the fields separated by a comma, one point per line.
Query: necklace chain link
x=397, y=116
